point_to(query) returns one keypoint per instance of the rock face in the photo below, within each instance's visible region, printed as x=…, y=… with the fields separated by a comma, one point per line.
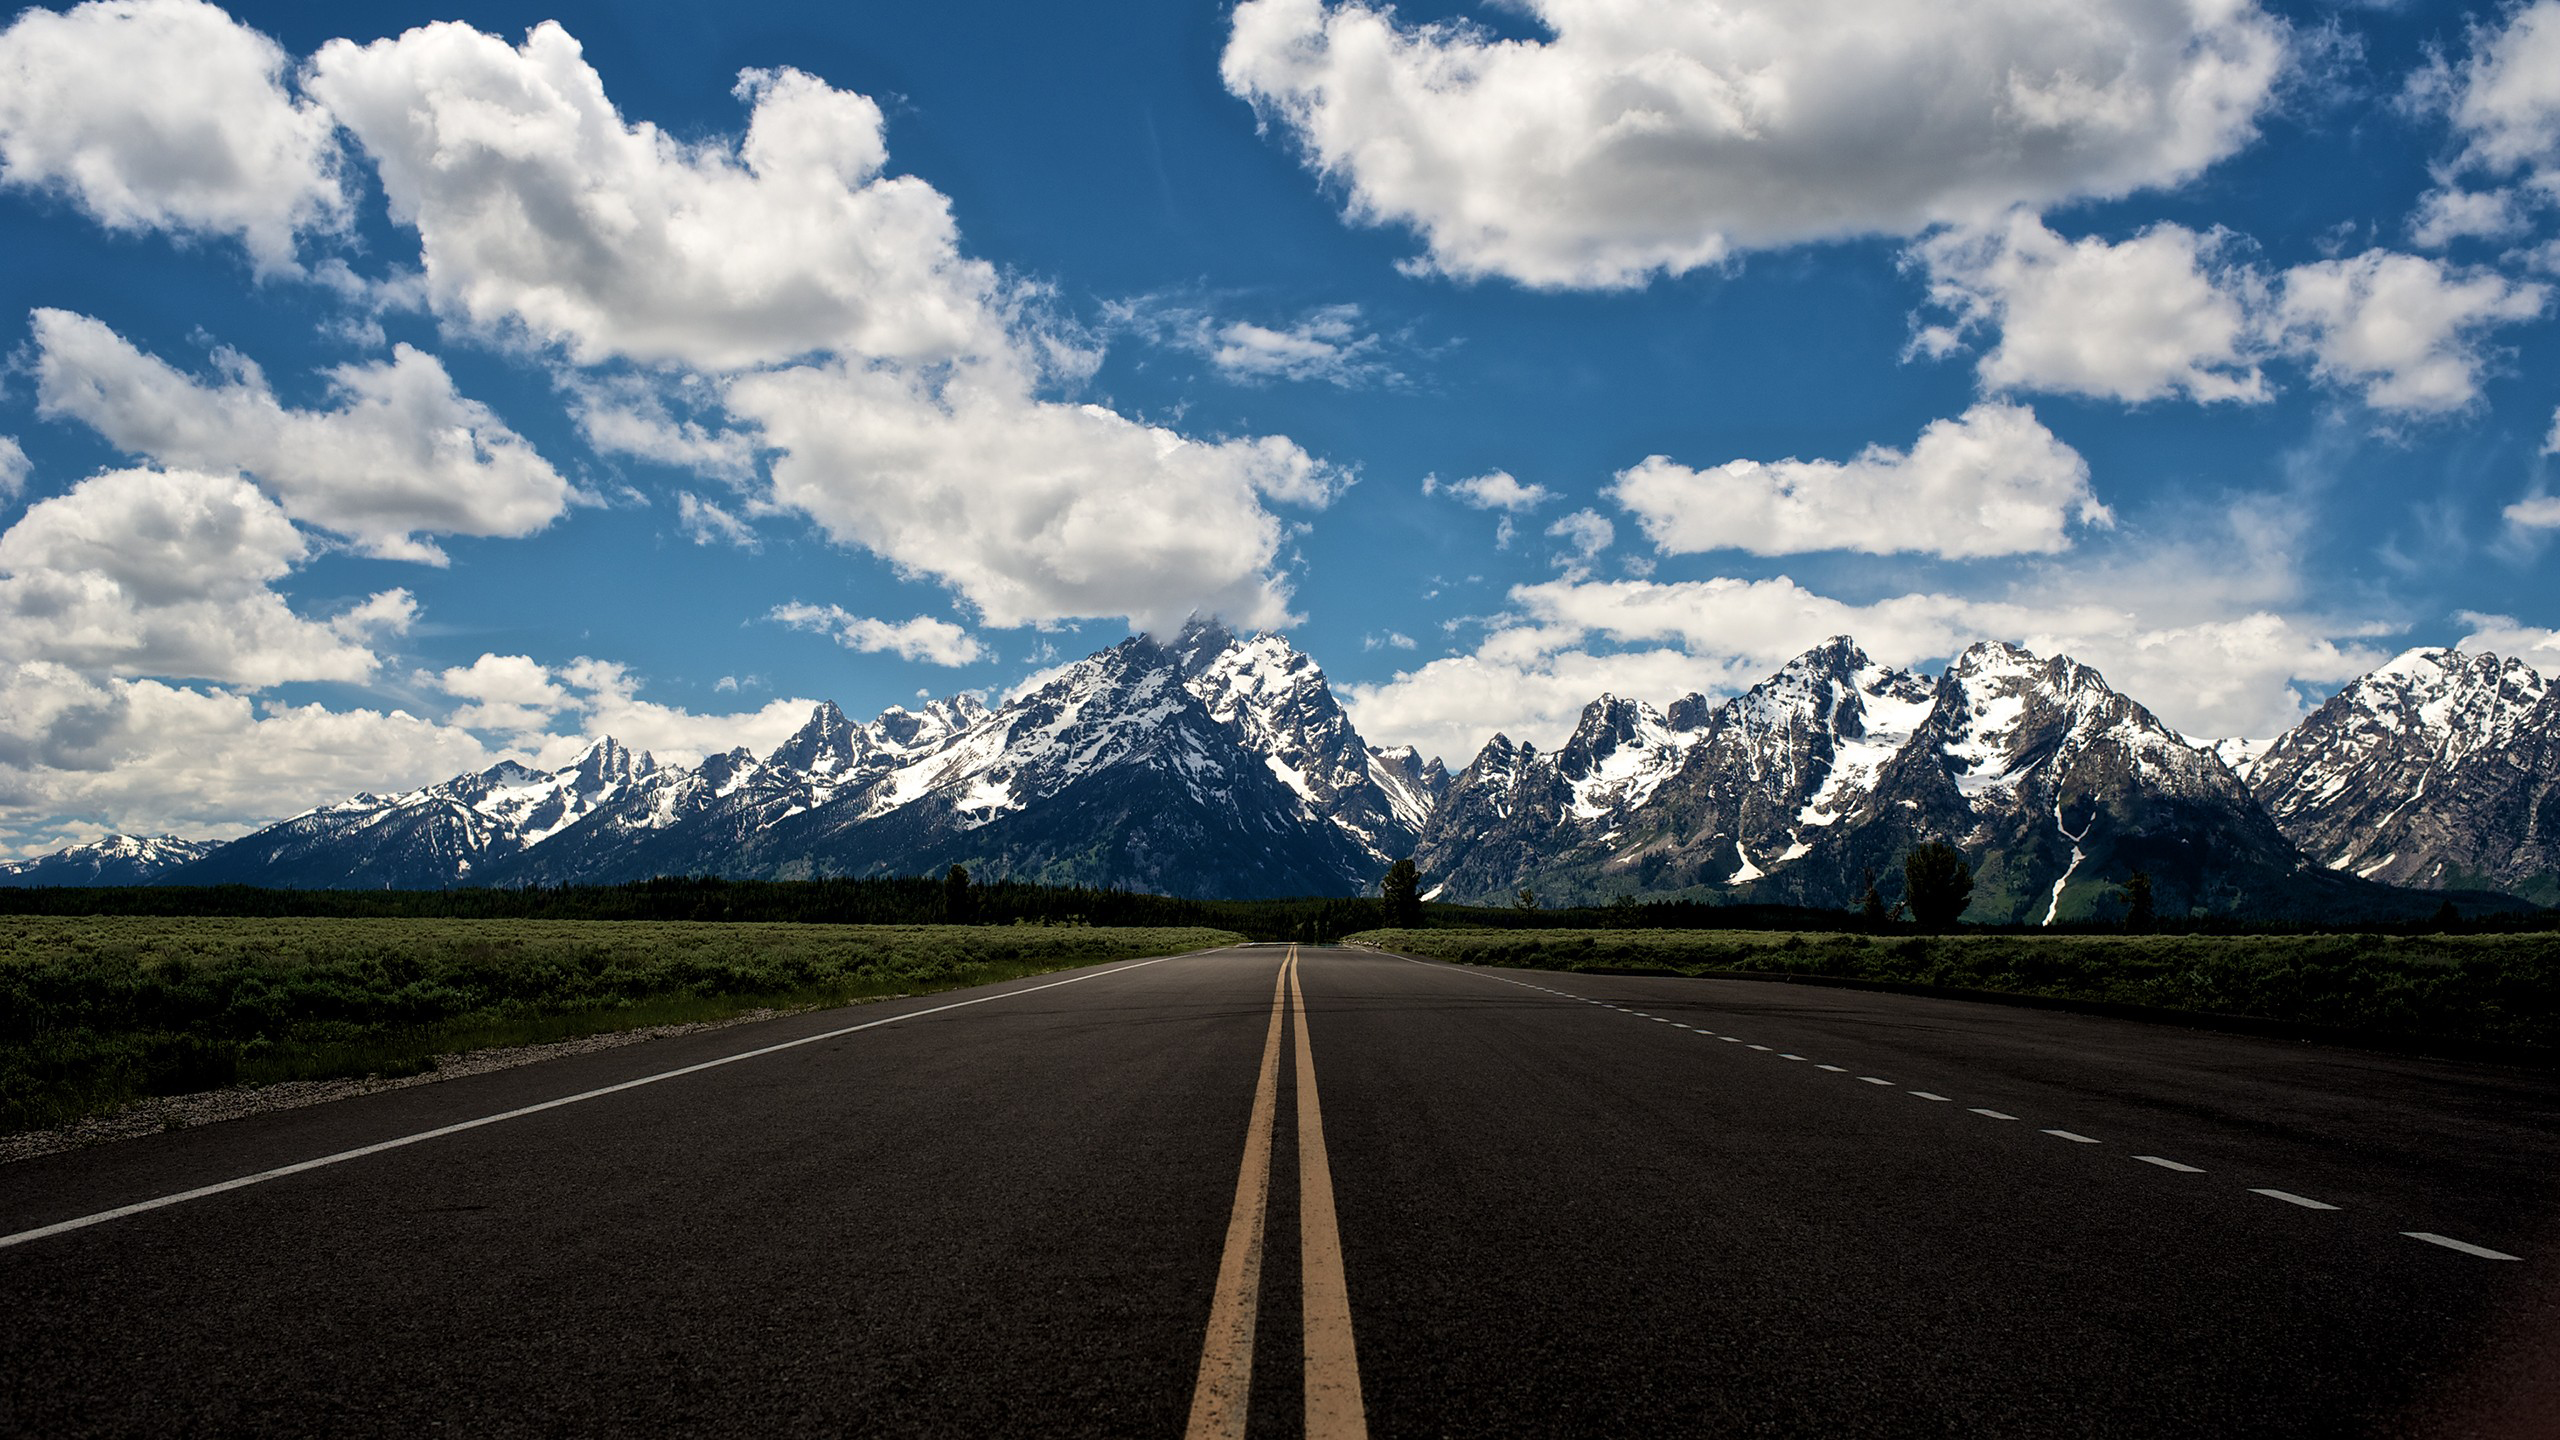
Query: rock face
x=114, y=860
x=2439, y=770
x=459, y=831
x=1211, y=765
x=1799, y=789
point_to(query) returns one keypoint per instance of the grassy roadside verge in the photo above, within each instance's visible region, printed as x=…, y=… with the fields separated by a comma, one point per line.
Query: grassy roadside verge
x=2501, y=990
x=96, y=1012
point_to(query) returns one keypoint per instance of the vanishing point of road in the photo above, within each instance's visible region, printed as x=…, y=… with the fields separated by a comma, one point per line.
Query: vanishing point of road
x=1267, y=1191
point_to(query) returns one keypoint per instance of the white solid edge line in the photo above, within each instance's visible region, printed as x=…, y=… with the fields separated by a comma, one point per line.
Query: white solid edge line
x=2450, y=1243
x=2290, y=1198
x=2067, y=1135
x=200, y=1192
x=1992, y=1114
x=2169, y=1164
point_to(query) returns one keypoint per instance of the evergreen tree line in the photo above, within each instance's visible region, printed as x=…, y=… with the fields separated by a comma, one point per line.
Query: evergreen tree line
x=1937, y=885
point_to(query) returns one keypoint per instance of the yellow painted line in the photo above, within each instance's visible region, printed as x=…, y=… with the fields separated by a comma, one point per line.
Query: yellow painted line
x=1226, y=1357
x=1334, y=1410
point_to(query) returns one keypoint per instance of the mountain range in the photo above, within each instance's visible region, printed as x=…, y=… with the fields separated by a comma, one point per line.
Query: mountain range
x=1217, y=765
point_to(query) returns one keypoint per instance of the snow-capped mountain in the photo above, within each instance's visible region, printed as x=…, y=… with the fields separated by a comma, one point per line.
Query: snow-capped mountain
x=1516, y=817
x=113, y=860
x=2059, y=787
x=1278, y=704
x=1798, y=789
x=1210, y=766
x=1693, y=796
x=2440, y=770
x=1216, y=765
x=458, y=831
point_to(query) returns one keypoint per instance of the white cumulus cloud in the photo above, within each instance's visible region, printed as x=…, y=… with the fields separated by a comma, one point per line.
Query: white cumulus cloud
x=509, y=693
x=1493, y=490
x=537, y=205
x=1330, y=343
x=400, y=453
x=923, y=638
x=708, y=523
x=14, y=467
x=1585, y=534
x=2505, y=99
x=2535, y=645
x=1992, y=481
x=170, y=573
x=2170, y=312
x=1033, y=510
x=2157, y=315
x=152, y=758
x=2405, y=329
x=167, y=115
x=1657, y=136
x=606, y=700
x=2448, y=214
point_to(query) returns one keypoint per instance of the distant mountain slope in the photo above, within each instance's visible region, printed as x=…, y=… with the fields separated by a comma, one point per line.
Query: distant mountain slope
x=1801, y=788
x=1210, y=764
x=2440, y=769
x=114, y=860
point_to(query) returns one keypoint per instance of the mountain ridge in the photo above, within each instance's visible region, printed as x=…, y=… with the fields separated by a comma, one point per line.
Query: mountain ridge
x=1213, y=764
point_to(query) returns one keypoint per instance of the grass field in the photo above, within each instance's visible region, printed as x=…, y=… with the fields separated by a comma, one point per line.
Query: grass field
x=2499, y=989
x=98, y=1011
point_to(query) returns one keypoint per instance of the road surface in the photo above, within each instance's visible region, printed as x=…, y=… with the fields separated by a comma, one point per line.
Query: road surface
x=1173, y=1197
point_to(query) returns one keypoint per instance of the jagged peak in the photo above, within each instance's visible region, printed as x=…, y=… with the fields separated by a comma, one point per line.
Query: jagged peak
x=2426, y=663
x=1200, y=641
x=607, y=761
x=1839, y=655
x=1984, y=657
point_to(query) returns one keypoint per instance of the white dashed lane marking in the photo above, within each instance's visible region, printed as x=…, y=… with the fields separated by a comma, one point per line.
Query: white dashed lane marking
x=2446, y=1242
x=2450, y=1243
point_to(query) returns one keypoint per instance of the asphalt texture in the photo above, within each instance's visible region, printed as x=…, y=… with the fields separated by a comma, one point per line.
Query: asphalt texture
x=1567, y=1205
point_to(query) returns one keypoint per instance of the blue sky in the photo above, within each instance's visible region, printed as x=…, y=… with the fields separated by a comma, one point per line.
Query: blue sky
x=400, y=387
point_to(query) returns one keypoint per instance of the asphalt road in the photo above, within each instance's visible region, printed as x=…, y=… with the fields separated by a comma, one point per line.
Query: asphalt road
x=1564, y=1206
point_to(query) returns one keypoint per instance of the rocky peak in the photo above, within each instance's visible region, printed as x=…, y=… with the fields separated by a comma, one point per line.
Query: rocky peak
x=2474, y=736
x=1199, y=644
x=608, y=763
x=826, y=745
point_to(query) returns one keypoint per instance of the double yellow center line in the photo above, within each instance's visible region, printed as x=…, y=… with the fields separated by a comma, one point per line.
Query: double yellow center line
x=1218, y=1401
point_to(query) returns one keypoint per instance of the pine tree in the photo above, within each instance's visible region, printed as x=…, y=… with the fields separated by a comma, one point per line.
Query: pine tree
x=1402, y=891
x=957, y=902
x=2138, y=914
x=1938, y=882
x=1871, y=907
